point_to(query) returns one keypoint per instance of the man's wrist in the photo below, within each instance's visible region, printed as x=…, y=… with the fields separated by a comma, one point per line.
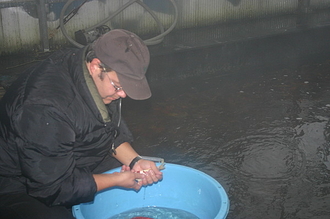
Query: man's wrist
x=134, y=161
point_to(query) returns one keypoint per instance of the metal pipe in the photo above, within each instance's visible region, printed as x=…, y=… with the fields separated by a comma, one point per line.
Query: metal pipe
x=42, y=16
x=303, y=9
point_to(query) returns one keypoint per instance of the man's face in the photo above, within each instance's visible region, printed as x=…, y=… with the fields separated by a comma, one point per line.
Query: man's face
x=107, y=84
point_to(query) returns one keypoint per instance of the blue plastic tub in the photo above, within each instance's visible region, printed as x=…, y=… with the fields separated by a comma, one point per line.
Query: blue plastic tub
x=181, y=188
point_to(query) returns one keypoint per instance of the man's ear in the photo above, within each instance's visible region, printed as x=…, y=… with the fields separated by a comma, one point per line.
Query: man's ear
x=95, y=66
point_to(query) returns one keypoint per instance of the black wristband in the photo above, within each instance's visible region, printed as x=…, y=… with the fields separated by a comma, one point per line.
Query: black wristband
x=133, y=162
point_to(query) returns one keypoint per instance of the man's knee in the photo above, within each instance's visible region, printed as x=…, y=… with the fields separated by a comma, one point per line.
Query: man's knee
x=23, y=206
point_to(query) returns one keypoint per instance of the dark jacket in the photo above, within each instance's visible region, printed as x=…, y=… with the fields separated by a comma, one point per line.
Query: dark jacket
x=52, y=134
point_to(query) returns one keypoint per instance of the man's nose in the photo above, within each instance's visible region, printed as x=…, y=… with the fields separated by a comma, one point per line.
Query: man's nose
x=121, y=93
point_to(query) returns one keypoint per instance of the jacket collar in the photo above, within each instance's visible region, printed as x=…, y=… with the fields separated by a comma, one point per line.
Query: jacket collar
x=86, y=86
x=95, y=94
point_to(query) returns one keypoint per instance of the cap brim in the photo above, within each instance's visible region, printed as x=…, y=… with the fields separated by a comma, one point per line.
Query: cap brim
x=135, y=89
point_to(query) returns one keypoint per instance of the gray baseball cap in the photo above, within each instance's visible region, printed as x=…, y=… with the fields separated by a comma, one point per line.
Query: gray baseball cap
x=126, y=54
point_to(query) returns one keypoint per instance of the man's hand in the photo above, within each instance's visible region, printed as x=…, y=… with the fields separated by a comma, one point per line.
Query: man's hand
x=125, y=154
x=129, y=179
x=125, y=178
x=149, y=170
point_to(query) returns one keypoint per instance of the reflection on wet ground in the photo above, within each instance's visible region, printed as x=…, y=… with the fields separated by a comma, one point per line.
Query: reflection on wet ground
x=261, y=132
x=262, y=135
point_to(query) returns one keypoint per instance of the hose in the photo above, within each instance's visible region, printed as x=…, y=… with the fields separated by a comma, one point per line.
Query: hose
x=155, y=159
x=152, y=41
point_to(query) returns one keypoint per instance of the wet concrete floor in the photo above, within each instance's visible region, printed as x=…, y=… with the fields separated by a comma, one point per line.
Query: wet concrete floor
x=259, y=124
x=254, y=115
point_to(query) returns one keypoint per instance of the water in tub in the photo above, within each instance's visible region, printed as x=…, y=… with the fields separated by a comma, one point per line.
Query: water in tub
x=155, y=213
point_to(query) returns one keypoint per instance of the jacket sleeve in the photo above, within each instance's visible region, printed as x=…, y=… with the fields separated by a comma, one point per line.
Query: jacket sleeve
x=45, y=146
